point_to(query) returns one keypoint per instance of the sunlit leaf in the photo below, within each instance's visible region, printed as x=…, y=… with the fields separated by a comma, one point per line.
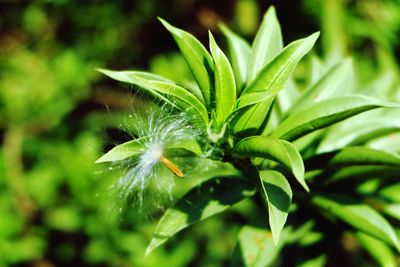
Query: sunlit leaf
x=359, y=216
x=378, y=250
x=337, y=81
x=364, y=156
x=324, y=114
x=274, y=149
x=197, y=57
x=272, y=78
x=267, y=43
x=123, y=151
x=361, y=129
x=169, y=92
x=239, y=54
x=225, y=88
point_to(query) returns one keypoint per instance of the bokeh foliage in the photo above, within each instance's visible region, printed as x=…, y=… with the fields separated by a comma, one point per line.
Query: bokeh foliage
x=55, y=204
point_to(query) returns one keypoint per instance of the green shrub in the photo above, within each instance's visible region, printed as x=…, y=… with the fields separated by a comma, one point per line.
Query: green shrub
x=316, y=161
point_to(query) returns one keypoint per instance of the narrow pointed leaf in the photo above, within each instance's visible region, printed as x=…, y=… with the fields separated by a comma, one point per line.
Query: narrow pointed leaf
x=136, y=147
x=287, y=96
x=390, y=143
x=186, y=144
x=225, y=88
x=361, y=129
x=239, y=54
x=249, y=121
x=360, y=155
x=169, y=92
x=378, y=250
x=131, y=77
x=267, y=43
x=324, y=114
x=274, y=149
x=272, y=78
x=183, y=99
x=364, y=173
x=277, y=194
x=359, y=216
x=123, y=151
x=209, y=198
x=336, y=82
x=147, y=76
x=197, y=57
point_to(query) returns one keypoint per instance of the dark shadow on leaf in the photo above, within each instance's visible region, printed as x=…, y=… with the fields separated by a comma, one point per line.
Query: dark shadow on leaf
x=221, y=192
x=278, y=197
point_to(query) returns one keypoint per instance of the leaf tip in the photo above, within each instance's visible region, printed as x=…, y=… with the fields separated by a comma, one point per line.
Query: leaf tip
x=223, y=28
x=154, y=243
x=211, y=37
x=104, y=71
x=104, y=158
x=271, y=9
x=315, y=36
x=148, y=251
x=305, y=186
x=99, y=160
x=166, y=24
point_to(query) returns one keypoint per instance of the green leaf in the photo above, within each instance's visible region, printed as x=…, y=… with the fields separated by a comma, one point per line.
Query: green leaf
x=363, y=156
x=391, y=192
x=273, y=76
x=209, y=198
x=239, y=54
x=324, y=114
x=286, y=97
x=377, y=249
x=361, y=129
x=277, y=193
x=147, y=76
x=318, y=261
x=388, y=143
x=336, y=82
x=225, y=88
x=267, y=43
x=183, y=99
x=274, y=149
x=392, y=210
x=131, y=77
x=249, y=120
x=169, y=92
x=197, y=57
x=186, y=144
x=135, y=147
x=123, y=151
x=359, y=216
x=255, y=248
x=363, y=173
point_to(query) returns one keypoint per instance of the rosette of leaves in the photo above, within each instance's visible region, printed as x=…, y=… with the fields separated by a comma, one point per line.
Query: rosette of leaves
x=281, y=139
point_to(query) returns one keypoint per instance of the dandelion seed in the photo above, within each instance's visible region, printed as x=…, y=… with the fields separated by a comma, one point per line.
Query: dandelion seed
x=153, y=172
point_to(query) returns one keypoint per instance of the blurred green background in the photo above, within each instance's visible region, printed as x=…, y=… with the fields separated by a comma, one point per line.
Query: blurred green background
x=58, y=115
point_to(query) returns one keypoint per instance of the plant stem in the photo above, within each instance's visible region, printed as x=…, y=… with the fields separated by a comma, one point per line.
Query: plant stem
x=13, y=139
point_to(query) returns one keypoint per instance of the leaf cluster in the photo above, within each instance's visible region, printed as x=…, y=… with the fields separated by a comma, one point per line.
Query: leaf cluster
x=280, y=138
